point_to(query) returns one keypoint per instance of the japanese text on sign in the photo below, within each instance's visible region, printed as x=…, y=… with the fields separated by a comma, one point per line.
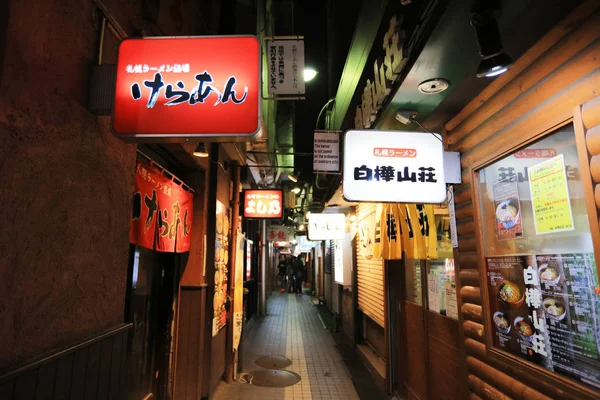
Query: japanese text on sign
x=407, y=169
x=550, y=196
x=263, y=204
x=286, y=64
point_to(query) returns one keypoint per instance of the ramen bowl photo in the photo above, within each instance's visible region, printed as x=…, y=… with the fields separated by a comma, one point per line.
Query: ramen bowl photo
x=524, y=329
x=501, y=322
x=554, y=308
x=549, y=275
x=508, y=213
x=511, y=294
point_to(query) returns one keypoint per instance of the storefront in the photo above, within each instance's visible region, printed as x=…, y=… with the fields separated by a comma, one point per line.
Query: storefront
x=407, y=323
x=527, y=221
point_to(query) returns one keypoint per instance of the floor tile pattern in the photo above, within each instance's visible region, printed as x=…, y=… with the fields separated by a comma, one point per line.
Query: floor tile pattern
x=292, y=329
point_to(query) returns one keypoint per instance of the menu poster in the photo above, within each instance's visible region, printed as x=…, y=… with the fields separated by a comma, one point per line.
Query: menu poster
x=433, y=295
x=451, y=301
x=550, y=196
x=508, y=209
x=546, y=309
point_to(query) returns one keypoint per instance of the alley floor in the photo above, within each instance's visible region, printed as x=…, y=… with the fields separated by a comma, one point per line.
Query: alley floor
x=292, y=329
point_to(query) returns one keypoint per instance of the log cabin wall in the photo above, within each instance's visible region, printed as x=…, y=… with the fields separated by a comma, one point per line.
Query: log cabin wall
x=539, y=93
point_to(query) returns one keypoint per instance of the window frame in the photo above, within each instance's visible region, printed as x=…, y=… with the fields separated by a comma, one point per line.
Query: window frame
x=520, y=366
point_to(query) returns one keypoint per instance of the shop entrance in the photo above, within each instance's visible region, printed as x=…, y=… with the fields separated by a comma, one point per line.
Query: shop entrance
x=151, y=305
x=407, y=337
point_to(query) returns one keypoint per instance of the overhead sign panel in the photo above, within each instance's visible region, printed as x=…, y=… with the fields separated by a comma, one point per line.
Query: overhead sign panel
x=326, y=153
x=393, y=166
x=326, y=226
x=190, y=87
x=286, y=66
x=263, y=204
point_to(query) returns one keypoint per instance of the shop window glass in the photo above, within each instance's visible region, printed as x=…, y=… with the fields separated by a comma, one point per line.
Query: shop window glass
x=413, y=282
x=541, y=274
x=441, y=288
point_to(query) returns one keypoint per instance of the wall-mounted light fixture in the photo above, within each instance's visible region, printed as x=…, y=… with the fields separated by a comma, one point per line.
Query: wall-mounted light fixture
x=493, y=60
x=293, y=178
x=309, y=74
x=201, y=151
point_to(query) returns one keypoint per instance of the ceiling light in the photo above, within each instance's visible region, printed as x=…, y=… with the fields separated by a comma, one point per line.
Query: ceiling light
x=296, y=190
x=293, y=178
x=309, y=74
x=493, y=60
x=201, y=151
x=494, y=66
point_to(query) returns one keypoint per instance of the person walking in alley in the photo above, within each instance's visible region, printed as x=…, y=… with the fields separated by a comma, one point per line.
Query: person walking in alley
x=299, y=273
x=290, y=276
x=281, y=267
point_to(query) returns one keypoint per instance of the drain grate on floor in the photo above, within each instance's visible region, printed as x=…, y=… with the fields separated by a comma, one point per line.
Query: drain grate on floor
x=273, y=362
x=271, y=378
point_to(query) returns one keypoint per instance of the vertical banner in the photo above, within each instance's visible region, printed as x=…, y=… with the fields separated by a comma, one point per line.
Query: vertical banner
x=162, y=212
x=238, y=294
x=286, y=66
x=221, y=259
x=326, y=152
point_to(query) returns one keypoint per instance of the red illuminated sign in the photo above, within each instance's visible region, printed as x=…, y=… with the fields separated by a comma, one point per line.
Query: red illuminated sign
x=187, y=87
x=263, y=204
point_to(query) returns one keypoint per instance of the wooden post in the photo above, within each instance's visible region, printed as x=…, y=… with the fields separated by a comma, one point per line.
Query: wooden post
x=230, y=357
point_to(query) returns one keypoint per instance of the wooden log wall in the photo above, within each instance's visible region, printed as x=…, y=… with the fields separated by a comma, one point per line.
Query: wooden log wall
x=557, y=75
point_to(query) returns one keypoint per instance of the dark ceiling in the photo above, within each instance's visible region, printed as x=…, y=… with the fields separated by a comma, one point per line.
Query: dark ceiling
x=450, y=52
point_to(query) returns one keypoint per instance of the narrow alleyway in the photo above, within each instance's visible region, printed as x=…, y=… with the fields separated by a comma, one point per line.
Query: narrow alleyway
x=292, y=329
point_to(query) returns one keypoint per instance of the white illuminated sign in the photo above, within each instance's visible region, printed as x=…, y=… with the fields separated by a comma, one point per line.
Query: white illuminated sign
x=326, y=226
x=393, y=166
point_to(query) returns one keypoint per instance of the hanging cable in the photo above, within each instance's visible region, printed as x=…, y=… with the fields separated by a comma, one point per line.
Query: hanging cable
x=321, y=112
x=427, y=130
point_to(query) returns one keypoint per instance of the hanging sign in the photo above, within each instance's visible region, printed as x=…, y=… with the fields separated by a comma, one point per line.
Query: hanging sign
x=550, y=196
x=286, y=66
x=326, y=226
x=263, y=204
x=326, y=152
x=393, y=166
x=279, y=233
x=162, y=212
x=187, y=87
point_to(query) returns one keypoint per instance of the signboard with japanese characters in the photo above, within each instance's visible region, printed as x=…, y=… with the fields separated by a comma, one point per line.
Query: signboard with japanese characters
x=393, y=166
x=545, y=308
x=279, y=233
x=187, y=87
x=326, y=226
x=550, y=196
x=162, y=212
x=286, y=66
x=386, y=69
x=326, y=152
x=263, y=204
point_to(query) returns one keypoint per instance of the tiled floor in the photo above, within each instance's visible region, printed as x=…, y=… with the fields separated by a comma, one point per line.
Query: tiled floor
x=292, y=329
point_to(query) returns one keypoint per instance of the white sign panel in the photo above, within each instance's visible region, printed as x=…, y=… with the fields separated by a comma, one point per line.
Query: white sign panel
x=393, y=166
x=286, y=66
x=326, y=153
x=326, y=226
x=279, y=233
